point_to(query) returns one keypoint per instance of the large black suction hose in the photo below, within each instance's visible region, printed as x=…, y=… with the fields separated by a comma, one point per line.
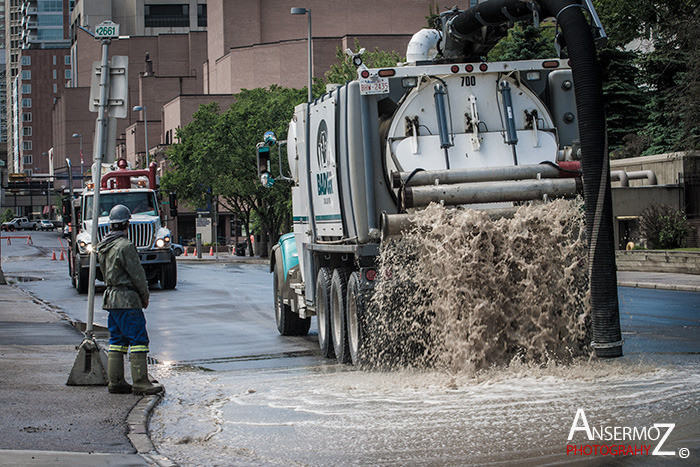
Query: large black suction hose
x=605, y=314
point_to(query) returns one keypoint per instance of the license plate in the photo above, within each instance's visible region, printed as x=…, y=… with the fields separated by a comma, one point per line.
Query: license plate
x=376, y=86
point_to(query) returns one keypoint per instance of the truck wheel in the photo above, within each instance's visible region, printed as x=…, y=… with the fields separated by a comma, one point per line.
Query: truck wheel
x=11, y=228
x=355, y=316
x=339, y=284
x=323, y=310
x=83, y=277
x=288, y=322
x=168, y=275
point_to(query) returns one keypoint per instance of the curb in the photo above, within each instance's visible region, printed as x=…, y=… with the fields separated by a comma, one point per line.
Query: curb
x=660, y=286
x=223, y=260
x=137, y=420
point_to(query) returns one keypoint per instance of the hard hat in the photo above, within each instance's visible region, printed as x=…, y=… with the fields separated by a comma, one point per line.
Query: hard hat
x=119, y=214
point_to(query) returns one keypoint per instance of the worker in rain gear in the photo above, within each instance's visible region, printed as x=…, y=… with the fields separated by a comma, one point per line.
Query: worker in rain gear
x=124, y=298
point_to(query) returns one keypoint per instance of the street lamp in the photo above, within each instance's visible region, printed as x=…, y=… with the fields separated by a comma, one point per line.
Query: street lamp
x=305, y=11
x=139, y=108
x=82, y=162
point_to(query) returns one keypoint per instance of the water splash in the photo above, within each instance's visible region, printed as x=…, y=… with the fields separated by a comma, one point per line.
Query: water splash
x=462, y=291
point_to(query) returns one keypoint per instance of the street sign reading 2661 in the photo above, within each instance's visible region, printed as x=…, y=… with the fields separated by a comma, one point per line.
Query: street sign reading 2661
x=106, y=30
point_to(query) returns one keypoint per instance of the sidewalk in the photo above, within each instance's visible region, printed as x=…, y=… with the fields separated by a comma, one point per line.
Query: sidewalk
x=659, y=280
x=43, y=421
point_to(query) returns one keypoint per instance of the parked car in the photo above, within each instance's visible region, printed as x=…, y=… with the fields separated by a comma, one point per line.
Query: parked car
x=177, y=249
x=45, y=224
x=66, y=231
x=19, y=223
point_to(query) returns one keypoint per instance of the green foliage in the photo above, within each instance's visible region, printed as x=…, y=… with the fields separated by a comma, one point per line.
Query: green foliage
x=664, y=227
x=215, y=157
x=524, y=42
x=344, y=70
x=7, y=216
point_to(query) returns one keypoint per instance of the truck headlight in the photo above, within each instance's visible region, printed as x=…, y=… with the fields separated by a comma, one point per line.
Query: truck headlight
x=162, y=242
x=85, y=247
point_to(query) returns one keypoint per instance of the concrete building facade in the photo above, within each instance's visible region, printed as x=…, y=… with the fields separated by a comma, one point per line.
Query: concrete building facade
x=257, y=43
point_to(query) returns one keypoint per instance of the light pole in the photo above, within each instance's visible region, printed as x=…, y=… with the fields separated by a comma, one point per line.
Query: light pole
x=305, y=11
x=48, y=188
x=138, y=108
x=82, y=162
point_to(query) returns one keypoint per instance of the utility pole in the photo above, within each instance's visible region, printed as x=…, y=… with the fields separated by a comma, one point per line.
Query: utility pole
x=90, y=365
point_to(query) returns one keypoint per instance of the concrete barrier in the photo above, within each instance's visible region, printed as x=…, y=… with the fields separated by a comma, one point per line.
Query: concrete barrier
x=681, y=262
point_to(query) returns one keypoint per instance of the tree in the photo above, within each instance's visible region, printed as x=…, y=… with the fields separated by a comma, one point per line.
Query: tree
x=524, y=42
x=664, y=227
x=215, y=157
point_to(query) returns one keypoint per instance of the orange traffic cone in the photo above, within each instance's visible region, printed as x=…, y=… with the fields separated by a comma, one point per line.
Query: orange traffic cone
x=211, y=251
x=185, y=252
x=29, y=240
x=53, y=255
x=62, y=258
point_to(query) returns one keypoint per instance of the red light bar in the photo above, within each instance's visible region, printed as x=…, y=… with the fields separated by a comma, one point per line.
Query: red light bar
x=550, y=64
x=387, y=72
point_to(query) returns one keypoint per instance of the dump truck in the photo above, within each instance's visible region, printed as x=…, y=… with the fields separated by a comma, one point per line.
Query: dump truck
x=136, y=189
x=444, y=127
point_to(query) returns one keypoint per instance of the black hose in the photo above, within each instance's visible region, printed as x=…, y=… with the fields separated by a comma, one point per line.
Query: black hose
x=605, y=314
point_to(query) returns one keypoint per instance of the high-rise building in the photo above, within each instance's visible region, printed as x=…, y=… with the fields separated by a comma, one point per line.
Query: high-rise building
x=38, y=39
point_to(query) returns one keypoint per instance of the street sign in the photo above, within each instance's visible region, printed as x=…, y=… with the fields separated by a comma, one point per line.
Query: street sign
x=118, y=87
x=107, y=30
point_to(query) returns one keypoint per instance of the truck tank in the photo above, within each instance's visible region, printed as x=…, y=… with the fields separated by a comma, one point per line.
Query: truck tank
x=449, y=129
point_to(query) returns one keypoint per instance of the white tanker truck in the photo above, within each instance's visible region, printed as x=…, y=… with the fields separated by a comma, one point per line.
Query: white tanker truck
x=443, y=127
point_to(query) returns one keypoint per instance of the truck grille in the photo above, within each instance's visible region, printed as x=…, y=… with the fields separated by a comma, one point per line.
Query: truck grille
x=140, y=234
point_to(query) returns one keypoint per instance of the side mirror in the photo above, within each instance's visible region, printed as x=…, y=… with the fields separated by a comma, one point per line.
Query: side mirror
x=172, y=199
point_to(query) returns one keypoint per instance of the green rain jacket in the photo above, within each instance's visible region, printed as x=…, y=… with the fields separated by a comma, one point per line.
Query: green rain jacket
x=123, y=274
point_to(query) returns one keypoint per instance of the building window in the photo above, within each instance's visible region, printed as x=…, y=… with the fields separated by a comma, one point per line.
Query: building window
x=50, y=5
x=66, y=60
x=55, y=88
x=29, y=172
x=202, y=15
x=27, y=131
x=55, y=74
x=167, y=16
x=26, y=60
x=27, y=159
x=54, y=59
x=67, y=73
x=26, y=74
x=26, y=103
x=27, y=146
x=27, y=117
x=26, y=89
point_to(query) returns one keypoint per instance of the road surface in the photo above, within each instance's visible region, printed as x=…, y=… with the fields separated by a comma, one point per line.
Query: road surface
x=240, y=394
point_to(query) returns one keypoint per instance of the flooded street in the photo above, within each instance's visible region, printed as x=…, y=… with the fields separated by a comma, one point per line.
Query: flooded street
x=341, y=416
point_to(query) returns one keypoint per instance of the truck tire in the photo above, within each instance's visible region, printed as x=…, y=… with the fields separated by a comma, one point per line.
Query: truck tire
x=355, y=320
x=11, y=228
x=339, y=284
x=323, y=312
x=82, y=279
x=168, y=274
x=288, y=322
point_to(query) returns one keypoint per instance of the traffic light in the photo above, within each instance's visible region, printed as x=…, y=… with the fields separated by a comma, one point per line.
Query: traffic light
x=172, y=199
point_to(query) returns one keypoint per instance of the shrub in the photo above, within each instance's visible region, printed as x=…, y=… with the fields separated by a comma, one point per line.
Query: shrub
x=663, y=226
x=7, y=216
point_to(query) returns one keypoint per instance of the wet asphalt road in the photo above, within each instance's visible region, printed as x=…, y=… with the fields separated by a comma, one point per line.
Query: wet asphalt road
x=275, y=400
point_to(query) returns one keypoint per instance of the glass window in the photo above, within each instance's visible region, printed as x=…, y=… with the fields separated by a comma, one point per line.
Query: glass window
x=27, y=117
x=143, y=202
x=167, y=16
x=55, y=74
x=67, y=73
x=27, y=74
x=50, y=5
x=27, y=131
x=50, y=20
x=55, y=88
x=26, y=89
x=27, y=159
x=202, y=15
x=27, y=145
x=26, y=60
x=66, y=60
x=54, y=59
x=26, y=103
